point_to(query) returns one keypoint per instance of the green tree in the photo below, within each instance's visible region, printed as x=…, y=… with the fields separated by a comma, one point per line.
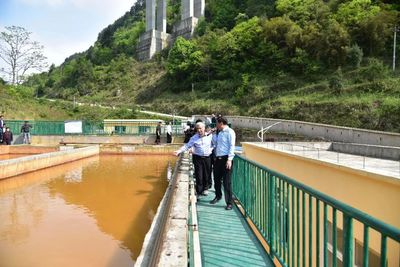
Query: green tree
x=327, y=43
x=303, y=11
x=336, y=81
x=351, y=13
x=375, y=34
x=221, y=14
x=184, y=60
x=354, y=56
x=125, y=39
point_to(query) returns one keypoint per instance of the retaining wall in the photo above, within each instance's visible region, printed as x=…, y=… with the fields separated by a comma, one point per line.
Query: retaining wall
x=27, y=149
x=384, y=152
x=17, y=166
x=319, y=131
x=138, y=149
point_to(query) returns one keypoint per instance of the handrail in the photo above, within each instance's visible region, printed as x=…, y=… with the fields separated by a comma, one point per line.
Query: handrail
x=260, y=133
x=194, y=222
x=387, y=229
x=278, y=206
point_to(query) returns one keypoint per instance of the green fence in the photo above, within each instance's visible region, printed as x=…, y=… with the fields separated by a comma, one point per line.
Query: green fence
x=304, y=227
x=88, y=128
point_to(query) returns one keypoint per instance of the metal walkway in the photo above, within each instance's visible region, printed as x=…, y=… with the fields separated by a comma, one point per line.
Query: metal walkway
x=225, y=237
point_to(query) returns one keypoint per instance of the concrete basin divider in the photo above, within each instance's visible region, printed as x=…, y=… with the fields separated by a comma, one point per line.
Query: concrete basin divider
x=17, y=166
x=165, y=243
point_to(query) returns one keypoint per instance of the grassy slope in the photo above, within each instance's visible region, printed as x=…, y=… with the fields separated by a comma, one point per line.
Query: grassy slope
x=18, y=104
x=361, y=103
x=371, y=104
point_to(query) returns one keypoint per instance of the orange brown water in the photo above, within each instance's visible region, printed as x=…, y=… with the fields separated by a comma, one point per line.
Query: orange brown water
x=92, y=212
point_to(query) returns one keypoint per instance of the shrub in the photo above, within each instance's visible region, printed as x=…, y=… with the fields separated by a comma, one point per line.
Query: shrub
x=374, y=70
x=354, y=56
x=336, y=81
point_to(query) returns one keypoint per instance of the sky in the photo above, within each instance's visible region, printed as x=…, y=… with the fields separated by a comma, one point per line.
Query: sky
x=63, y=27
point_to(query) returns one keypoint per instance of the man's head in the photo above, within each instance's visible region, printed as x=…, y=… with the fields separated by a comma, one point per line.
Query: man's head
x=201, y=128
x=221, y=122
x=7, y=129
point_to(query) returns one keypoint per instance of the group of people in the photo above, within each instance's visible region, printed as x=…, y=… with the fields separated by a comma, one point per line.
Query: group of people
x=6, y=136
x=168, y=130
x=213, y=152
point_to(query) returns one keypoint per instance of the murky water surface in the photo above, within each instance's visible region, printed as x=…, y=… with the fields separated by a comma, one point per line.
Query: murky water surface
x=93, y=212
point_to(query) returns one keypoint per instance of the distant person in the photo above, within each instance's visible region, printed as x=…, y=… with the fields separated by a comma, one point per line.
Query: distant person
x=213, y=119
x=187, y=132
x=25, y=130
x=168, y=129
x=158, y=133
x=202, y=147
x=224, y=154
x=7, y=136
x=1, y=128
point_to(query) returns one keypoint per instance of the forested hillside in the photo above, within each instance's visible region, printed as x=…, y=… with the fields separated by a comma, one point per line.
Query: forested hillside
x=324, y=61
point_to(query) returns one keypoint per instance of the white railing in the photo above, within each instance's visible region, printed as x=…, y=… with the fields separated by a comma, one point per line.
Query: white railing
x=319, y=152
x=263, y=130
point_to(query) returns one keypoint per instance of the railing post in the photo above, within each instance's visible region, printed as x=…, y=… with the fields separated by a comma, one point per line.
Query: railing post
x=348, y=242
x=271, y=221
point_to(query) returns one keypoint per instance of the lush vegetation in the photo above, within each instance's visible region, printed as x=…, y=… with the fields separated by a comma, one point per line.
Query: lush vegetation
x=324, y=61
x=18, y=104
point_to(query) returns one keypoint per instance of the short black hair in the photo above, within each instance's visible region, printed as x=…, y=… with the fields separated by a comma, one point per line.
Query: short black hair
x=222, y=120
x=199, y=120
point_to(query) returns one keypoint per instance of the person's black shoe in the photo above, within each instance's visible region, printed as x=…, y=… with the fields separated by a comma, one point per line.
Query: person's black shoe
x=228, y=207
x=215, y=200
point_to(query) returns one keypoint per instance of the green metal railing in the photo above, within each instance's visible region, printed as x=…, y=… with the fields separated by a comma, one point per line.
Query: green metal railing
x=304, y=227
x=88, y=128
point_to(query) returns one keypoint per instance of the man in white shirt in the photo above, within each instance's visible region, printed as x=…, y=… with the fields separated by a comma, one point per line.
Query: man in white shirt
x=168, y=130
x=201, y=144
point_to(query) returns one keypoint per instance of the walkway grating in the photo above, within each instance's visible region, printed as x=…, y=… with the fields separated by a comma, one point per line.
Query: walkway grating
x=225, y=237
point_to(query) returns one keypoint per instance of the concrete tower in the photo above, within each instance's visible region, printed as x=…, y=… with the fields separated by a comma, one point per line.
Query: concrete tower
x=155, y=38
x=150, y=15
x=162, y=15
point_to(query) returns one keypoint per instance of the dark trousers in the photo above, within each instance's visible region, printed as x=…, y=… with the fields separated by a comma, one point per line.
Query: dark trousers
x=169, y=138
x=211, y=169
x=222, y=174
x=202, y=166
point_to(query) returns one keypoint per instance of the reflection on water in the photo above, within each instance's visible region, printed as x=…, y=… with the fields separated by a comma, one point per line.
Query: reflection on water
x=93, y=212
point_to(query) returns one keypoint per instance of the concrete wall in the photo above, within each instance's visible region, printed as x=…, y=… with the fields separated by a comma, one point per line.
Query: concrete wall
x=184, y=28
x=383, y=152
x=150, y=15
x=17, y=166
x=151, y=42
x=321, y=131
x=199, y=6
x=55, y=140
x=162, y=15
x=371, y=193
x=187, y=9
x=139, y=149
x=26, y=149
